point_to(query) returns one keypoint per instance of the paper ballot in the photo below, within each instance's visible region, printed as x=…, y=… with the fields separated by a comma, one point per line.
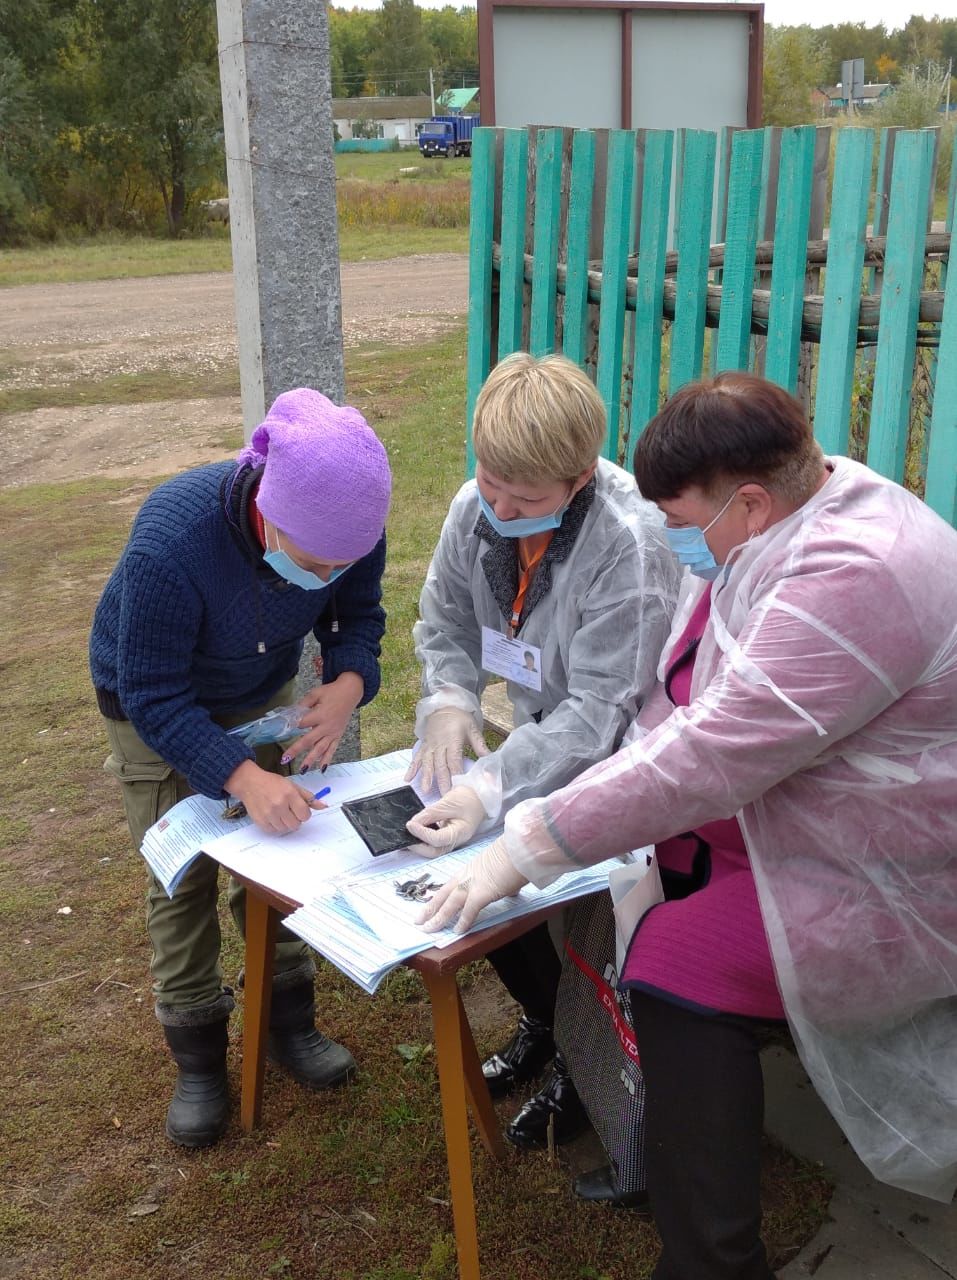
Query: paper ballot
x=194, y=825
x=351, y=912
x=635, y=888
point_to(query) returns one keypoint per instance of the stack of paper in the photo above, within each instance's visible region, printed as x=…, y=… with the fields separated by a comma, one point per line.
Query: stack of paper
x=365, y=928
x=353, y=913
x=196, y=825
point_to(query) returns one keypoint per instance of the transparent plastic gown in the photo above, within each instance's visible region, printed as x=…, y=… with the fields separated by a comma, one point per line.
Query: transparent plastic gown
x=824, y=717
x=600, y=628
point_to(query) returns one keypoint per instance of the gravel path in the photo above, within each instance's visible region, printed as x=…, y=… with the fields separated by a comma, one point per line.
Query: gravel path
x=53, y=335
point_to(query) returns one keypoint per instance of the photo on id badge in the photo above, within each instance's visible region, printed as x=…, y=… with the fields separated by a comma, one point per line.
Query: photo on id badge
x=516, y=660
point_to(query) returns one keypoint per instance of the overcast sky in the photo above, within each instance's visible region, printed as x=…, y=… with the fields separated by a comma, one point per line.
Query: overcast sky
x=817, y=13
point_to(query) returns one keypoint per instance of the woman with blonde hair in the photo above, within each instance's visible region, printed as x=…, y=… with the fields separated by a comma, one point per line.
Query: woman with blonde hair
x=552, y=572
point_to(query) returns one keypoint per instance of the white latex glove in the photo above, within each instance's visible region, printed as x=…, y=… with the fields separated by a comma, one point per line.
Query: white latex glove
x=457, y=817
x=487, y=878
x=439, y=754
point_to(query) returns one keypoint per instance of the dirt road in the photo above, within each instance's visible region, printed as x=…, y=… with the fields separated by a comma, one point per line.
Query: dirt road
x=54, y=335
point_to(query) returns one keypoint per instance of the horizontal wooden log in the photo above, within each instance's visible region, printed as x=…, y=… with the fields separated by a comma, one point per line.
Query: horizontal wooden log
x=931, y=303
x=937, y=245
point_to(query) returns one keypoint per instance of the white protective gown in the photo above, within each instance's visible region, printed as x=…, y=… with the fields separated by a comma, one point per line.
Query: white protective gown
x=824, y=717
x=600, y=627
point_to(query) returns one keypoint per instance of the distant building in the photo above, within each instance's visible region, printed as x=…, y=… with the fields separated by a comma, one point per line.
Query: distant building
x=381, y=117
x=820, y=101
x=868, y=96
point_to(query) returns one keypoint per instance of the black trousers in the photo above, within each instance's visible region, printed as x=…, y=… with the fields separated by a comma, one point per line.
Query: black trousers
x=704, y=1120
x=529, y=967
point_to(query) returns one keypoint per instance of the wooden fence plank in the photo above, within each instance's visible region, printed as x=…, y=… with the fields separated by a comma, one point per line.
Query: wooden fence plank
x=548, y=199
x=842, y=289
x=619, y=201
x=741, y=238
x=575, y=330
x=720, y=224
x=941, y=487
x=512, y=271
x=481, y=229
x=795, y=180
x=652, y=248
x=900, y=301
x=694, y=228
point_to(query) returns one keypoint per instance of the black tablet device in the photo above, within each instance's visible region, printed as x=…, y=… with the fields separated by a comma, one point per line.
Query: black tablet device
x=380, y=820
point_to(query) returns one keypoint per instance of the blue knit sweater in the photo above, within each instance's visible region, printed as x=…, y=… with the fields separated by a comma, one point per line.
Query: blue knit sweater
x=177, y=632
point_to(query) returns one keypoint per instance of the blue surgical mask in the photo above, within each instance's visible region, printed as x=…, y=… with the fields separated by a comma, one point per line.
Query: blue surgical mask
x=522, y=527
x=691, y=546
x=283, y=564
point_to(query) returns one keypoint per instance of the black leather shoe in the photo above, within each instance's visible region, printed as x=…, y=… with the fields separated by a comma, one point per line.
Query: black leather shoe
x=526, y=1055
x=600, y=1186
x=558, y=1104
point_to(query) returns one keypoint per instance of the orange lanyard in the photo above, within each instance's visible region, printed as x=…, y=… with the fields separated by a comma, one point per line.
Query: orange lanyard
x=525, y=577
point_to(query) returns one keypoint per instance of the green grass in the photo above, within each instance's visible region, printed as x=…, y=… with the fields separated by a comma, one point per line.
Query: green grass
x=359, y=244
x=112, y=257
x=123, y=388
x=383, y=165
x=344, y=1186
x=117, y=257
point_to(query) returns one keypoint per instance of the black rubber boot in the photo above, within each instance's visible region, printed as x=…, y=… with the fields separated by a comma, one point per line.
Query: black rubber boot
x=557, y=1104
x=295, y=1044
x=200, y=1108
x=600, y=1186
x=525, y=1056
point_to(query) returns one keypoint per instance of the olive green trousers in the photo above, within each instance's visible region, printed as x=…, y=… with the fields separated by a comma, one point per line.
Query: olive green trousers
x=184, y=930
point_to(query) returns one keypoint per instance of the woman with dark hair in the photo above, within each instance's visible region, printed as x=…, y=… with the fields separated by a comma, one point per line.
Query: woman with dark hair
x=796, y=770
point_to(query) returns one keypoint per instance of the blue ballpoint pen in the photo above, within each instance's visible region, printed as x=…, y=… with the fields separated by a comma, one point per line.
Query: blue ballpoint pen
x=239, y=810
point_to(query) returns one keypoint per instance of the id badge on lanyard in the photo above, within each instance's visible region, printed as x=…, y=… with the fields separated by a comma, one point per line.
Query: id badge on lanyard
x=516, y=660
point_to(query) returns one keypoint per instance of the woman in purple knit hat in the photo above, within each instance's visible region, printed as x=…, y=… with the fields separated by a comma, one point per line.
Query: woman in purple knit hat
x=200, y=628
x=797, y=770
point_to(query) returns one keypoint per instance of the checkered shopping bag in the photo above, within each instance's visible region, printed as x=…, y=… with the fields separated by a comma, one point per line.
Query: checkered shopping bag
x=594, y=1031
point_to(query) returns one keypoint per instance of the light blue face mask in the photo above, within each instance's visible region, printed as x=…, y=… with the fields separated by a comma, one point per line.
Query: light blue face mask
x=691, y=546
x=522, y=527
x=283, y=564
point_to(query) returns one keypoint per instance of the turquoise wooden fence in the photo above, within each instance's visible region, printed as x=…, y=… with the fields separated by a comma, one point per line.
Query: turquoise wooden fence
x=599, y=244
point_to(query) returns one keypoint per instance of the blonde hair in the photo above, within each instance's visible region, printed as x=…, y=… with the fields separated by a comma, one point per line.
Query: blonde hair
x=538, y=419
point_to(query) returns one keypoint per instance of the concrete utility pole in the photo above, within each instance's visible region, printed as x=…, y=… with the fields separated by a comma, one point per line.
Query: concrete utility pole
x=277, y=111
x=276, y=82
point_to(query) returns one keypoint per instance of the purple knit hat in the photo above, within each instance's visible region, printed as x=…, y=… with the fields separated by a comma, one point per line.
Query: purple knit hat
x=327, y=482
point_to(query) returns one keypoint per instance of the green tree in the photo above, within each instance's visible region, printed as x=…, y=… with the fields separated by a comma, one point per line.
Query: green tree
x=159, y=84
x=453, y=37
x=18, y=114
x=915, y=102
x=350, y=36
x=919, y=41
x=853, y=40
x=400, y=54
x=795, y=61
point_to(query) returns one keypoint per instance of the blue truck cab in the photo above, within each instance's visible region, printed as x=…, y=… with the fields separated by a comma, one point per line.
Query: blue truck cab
x=447, y=136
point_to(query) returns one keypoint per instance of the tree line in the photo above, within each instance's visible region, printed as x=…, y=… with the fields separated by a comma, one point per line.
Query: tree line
x=110, y=111
x=917, y=59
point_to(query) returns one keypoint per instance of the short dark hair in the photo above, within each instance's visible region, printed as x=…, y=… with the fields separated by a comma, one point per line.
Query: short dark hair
x=736, y=427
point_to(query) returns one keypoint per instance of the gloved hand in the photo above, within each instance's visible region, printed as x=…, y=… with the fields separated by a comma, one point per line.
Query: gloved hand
x=458, y=815
x=487, y=878
x=439, y=754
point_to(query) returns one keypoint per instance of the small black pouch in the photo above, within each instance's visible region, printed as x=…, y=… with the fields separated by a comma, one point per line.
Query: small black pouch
x=380, y=820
